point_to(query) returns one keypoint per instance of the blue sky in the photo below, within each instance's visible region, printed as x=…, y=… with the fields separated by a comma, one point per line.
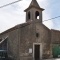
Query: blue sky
x=14, y=14
x=55, y=12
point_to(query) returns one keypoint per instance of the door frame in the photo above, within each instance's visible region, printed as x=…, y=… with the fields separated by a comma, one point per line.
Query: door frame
x=40, y=49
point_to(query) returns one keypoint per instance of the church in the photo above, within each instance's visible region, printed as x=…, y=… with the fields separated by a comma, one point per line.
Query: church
x=31, y=40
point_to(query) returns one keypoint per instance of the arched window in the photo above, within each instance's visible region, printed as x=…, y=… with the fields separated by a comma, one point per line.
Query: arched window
x=37, y=15
x=29, y=15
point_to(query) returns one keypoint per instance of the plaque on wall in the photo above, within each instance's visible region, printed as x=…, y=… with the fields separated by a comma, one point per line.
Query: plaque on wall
x=30, y=50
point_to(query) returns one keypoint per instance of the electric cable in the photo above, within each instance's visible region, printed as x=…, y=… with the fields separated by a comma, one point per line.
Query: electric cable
x=9, y=4
x=51, y=18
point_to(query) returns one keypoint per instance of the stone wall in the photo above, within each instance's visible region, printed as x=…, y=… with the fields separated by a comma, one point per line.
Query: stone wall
x=23, y=38
x=26, y=41
x=28, y=38
x=44, y=38
x=55, y=36
x=13, y=43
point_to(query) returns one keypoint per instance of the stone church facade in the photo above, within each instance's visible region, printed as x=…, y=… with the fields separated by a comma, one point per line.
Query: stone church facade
x=31, y=40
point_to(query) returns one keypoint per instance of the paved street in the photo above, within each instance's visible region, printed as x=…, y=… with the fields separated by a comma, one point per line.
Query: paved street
x=53, y=59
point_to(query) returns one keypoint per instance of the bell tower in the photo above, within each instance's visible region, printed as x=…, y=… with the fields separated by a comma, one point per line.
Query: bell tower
x=34, y=12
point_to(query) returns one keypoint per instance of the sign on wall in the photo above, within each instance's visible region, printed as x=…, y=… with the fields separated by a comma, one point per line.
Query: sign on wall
x=30, y=50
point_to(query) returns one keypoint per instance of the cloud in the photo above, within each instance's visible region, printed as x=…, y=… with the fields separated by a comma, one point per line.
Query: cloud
x=14, y=14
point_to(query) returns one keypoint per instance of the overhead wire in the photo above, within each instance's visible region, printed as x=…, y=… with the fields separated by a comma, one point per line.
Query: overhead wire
x=9, y=3
x=51, y=18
